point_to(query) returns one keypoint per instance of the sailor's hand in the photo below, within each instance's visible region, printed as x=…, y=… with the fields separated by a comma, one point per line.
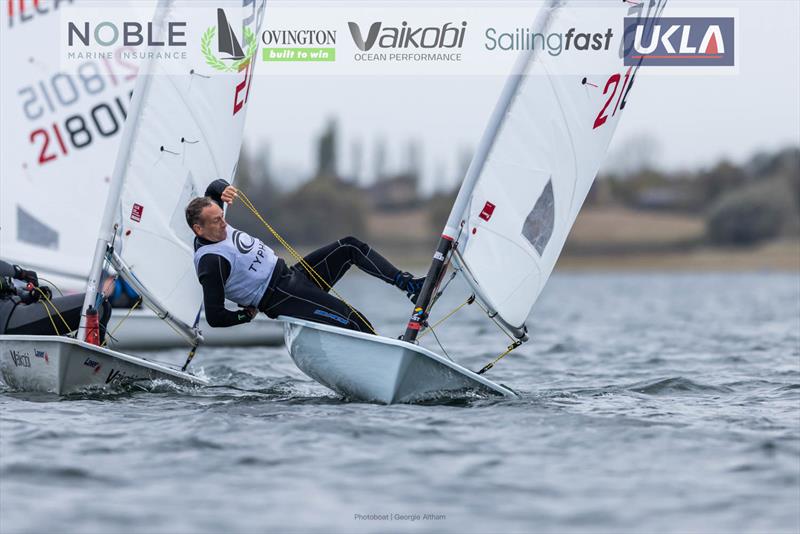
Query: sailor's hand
x=25, y=275
x=247, y=314
x=45, y=292
x=229, y=194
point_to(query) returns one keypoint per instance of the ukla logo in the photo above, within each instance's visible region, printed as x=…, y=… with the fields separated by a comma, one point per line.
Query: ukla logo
x=230, y=56
x=680, y=41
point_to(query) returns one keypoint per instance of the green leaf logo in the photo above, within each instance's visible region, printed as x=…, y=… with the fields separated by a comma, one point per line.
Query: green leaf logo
x=216, y=63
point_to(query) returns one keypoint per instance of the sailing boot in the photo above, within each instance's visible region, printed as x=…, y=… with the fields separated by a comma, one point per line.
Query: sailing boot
x=412, y=286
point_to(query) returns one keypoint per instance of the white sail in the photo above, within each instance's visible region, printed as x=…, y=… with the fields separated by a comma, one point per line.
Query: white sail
x=185, y=130
x=549, y=135
x=59, y=134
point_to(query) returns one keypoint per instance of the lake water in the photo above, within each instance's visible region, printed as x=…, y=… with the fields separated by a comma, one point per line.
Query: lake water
x=650, y=403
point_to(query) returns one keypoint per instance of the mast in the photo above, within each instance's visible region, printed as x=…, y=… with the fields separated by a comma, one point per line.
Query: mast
x=455, y=219
x=107, y=229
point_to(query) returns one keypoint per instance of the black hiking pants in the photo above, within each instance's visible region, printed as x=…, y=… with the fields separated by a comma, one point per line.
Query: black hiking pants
x=292, y=291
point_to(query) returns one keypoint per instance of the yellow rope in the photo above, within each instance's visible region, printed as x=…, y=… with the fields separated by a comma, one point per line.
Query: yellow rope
x=114, y=331
x=489, y=365
x=49, y=316
x=443, y=319
x=321, y=282
x=58, y=313
x=52, y=284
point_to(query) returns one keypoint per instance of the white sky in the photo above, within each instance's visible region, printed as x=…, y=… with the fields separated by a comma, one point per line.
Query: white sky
x=695, y=120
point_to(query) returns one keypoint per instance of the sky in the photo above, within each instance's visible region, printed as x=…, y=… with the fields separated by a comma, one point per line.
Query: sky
x=691, y=121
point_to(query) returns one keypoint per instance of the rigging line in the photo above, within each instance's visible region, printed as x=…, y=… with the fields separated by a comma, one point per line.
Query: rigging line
x=321, y=282
x=489, y=365
x=470, y=300
x=50, y=317
x=58, y=313
x=490, y=316
x=114, y=331
x=60, y=293
x=439, y=343
x=441, y=291
x=189, y=357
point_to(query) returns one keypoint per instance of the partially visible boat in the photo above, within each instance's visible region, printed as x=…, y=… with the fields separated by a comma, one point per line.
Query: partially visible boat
x=378, y=369
x=62, y=365
x=184, y=129
x=531, y=171
x=143, y=330
x=50, y=199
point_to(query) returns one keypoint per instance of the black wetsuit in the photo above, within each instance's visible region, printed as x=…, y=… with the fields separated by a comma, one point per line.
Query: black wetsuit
x=17, y=317
x=291, y=291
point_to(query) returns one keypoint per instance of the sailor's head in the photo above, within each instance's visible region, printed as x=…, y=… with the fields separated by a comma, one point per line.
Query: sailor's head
x=206, y=219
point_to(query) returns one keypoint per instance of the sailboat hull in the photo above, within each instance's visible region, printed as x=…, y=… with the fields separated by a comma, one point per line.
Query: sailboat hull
x=64, y=365
x=378, y=369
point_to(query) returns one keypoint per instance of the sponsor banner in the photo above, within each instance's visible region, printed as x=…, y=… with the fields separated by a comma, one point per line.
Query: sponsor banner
x=354, y=39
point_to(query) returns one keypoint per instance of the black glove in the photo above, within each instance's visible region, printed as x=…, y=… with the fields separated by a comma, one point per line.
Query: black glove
x=47, y=292
x=26, y=276
x=247, y=314
x=7, y=287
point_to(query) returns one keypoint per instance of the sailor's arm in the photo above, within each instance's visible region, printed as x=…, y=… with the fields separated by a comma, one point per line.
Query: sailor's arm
x=213, y=270
x=15, y=271
x=221, y=191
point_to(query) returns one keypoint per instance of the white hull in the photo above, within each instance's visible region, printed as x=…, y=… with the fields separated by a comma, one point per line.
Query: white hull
x=378, y=369
x=64, y=365
x=143, y=330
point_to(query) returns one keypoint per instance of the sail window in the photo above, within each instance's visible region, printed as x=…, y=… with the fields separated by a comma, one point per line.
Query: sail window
x=538, y=226
x=178, y=220
x=33, y=231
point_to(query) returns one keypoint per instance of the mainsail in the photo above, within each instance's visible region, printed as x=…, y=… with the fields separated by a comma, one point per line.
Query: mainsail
x=540, y=165
x=185, y=130
x=535, y=164
x=59, y=134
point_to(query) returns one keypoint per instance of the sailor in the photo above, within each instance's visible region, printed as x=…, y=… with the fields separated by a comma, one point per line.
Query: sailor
x=234, y=265
x=20, y=314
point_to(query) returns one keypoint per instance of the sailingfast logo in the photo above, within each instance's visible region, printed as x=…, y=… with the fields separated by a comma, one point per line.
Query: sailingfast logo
x=232, y=55
x=680, y=41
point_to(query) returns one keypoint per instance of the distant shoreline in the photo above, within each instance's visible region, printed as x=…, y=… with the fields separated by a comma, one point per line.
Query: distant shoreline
x=782, y=256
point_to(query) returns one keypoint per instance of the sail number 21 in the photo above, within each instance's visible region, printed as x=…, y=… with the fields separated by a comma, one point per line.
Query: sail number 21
x=614, y=80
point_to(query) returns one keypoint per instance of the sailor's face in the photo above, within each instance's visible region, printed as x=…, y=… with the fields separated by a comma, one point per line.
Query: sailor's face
x=213, y=226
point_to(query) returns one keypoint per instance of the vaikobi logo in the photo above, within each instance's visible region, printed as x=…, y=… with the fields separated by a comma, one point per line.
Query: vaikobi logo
x=228, y=46
x=680, y=41
x=299, y=45
x=399, y=40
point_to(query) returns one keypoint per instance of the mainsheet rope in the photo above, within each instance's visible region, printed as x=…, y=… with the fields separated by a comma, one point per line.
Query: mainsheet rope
x=323, y=284
x=315, y=276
